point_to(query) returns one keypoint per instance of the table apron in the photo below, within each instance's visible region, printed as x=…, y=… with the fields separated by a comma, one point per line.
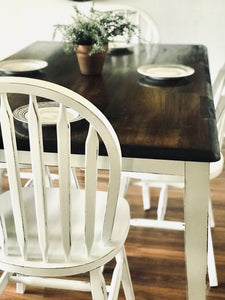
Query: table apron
x=142, y=165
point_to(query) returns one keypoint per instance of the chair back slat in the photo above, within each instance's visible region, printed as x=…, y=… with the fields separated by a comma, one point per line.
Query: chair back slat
x=219, y=85
x=9, y=142
x=91, y=151
x=36, y=149
x=113, y=193
x=220, y=113
x=148, y=30
x=63, y=140
x=219, y=99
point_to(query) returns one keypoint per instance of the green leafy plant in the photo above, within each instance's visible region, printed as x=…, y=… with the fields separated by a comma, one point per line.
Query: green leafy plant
x=96, y=29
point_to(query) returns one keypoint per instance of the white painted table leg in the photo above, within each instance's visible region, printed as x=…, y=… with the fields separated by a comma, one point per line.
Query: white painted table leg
x=196, y=214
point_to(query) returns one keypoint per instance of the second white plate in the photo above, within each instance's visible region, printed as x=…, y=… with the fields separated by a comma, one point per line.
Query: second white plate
x=22, y=65
x=48, y=113
x=168, y=71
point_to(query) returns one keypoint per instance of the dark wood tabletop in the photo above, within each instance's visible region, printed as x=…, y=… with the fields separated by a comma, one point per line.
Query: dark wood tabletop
x=172, y=119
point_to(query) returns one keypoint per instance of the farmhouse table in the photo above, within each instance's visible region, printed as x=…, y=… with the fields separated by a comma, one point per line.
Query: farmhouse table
x=165, y=126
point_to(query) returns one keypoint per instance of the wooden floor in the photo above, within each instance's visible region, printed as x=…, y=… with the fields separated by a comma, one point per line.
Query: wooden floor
x=156, y=257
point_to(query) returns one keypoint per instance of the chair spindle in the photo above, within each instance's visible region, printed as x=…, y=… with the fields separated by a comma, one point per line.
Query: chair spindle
x=9, y=141
x=63, y=140
x=36, y=148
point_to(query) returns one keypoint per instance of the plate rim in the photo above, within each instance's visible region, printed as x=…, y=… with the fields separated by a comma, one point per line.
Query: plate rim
x=189, y=71
x=42, y=64
x=48, y=104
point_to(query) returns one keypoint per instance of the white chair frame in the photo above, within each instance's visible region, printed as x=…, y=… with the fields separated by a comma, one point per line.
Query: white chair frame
x=48, y=232
x=149, y=32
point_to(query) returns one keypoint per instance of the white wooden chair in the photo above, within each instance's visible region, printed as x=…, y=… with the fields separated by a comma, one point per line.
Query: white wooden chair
x=51, y=232
x=164, y=182
x=219, y=85
x=149, y=32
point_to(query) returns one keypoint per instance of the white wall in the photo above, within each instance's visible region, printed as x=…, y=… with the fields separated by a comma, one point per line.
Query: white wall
x=179, y=21
x=25, y=21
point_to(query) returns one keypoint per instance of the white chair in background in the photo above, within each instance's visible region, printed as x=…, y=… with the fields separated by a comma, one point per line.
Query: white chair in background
x=219, y=85
x=48, y=233
x=149, y=32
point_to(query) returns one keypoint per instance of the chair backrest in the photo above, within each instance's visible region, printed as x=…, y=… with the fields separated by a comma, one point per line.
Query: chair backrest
x=99, y=129
x=149, y=32
x=219, y=85
x=219, y=98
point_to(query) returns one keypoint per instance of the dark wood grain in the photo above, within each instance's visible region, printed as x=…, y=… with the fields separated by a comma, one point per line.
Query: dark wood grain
x=174, y=120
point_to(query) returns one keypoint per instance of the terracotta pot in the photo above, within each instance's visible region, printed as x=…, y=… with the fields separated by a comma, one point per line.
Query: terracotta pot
x=90, y=64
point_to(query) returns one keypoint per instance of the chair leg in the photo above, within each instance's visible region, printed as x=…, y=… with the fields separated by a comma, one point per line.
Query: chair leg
x=3, y=235
x=1, y=176
x=116, y=279
x=125, y=181
x=74, y=179
x=126, y=278
x=4, y=279
x=146, y=196
x=212, y=273
x=48, y=180
x=162, y=205
x=98, y=286
x=20, y=288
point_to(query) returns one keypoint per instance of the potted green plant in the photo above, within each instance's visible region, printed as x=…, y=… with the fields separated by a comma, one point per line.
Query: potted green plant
x=88, y=35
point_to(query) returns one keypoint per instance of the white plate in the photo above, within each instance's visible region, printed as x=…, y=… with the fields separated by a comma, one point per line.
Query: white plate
x=168, y=71
x=22, y=65
x=48, y=113
x=118, y=45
